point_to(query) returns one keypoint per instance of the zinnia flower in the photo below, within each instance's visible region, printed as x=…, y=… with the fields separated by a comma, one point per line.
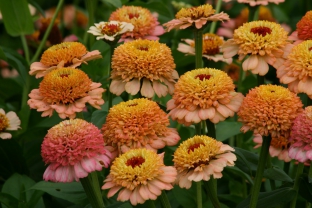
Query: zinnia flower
x=203, y=94
x=211, y=47
x=145, y=24
x=143, y=62
x=304, y=29
x=263, y=41
x=8, y=121
x=269, y=110
x=257, y=2
x=296, y=69
x=109, y=30
x=278, y=148
x=73, y=149
x=195, y=16
x=66, y=54
x=65, y=90
x=301, y=137
x=138, y=123
x=201, y=157
x=140, y=175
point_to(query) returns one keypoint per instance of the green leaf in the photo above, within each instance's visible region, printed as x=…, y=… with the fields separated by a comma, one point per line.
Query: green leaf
x=271, y=198
x=115, y=3
x=246, y=160
x=98, y=118
x=8, y=200
x=185, y=197
x=37, y=6
x=305, y=189
x=227, y=129
x=16, y=17
x=276, y=173
x=72, y=192
x=236, y=171
x=2, y=55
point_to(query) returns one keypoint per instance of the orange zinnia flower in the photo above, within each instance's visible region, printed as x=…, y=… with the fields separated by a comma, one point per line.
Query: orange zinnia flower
x=304, y=29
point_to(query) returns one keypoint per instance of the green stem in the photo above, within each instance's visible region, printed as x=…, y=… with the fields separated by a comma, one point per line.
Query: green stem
x=258, y=179
x=198, y=36
x=79, y=115
x=199, y=194
x=310, y=171
x=47, y=33
x=90, y=5
x=94, y=194
x=253, y=13
x=109, y=94
x=272, y=182
x=164, y=200
x=240, y=79
x=214, y=24
x=149, y=204
x=198, y=129
x=260, y=79
x=211, y=129
x=296, y=184
x=25, y=48
x=211, y=189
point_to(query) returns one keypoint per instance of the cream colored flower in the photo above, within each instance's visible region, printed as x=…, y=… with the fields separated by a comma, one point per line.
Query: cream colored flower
x=8, y=121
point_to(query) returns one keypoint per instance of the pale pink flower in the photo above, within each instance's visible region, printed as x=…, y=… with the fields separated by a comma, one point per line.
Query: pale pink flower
x=8, y=122
x=257, y=2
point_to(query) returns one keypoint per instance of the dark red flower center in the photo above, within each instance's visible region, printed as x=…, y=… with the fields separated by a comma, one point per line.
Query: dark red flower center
x=132, y=104
x=263, y=31
x=194, y=146
x=64, y=75
x=201, y=77
x=143, y=48
x=135, y=161
x=131, y=15
x=110, y=29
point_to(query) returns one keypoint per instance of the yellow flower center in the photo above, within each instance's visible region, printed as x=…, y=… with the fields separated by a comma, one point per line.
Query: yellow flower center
x=211, y=44
x=4, y=122
x=64, y=86
x=196, y=12
x=110, y=29
x=65, y=51
x=136, y=167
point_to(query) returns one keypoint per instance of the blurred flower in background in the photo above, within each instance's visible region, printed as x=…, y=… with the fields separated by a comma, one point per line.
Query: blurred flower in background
x=257, y=2
x=8, y=122
x=304, y=29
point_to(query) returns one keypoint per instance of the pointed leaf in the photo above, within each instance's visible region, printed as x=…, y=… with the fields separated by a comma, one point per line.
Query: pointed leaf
x=227, y=129
x=115, y=3
x=276, y=173
x=8, y=200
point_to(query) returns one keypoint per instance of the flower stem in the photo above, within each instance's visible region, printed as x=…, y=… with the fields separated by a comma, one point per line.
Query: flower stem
x=296, y=184
x=211, y=188
x=214, y=24
x=253, y=13
x=109, y=94
x=198, y=36
x=93, y=191
x=198, y=129
x=258, y=179
x=199, y=194
x=211, y=129
x=164, y=200
x=90, y=5
x=25, y=48
x=149, y=204
x=47, y=33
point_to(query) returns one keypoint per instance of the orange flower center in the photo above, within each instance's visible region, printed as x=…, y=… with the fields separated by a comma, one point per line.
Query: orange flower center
x=201, y=77
x=4, y=122
x=194, y=146
x=65, y=51
x=280, y=142
x=135, y=161
x=64, y=86
x=133, y=15
x=263, y=31
x=110, y=29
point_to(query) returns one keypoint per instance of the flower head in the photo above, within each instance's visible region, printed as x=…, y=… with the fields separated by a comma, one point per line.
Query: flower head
x=110, y=30
x=145, y=24
x=304, y=29
x=73, y=149
x=200, y=157
x=66, y=54
x=8, y=121
x=263, y=41
x=195, y=16
x=211, y=47
x=301, y=137
x=138, y=123
x=202, y=94
x=297, y=74
x=65, y=90
x=257, y=2
x=140, y=175
x=145, y=62
x=269, y=110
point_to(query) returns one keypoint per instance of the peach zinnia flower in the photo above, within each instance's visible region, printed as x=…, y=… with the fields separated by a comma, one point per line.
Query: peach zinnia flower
x=145, y=24
x=138, y=123
x=73, y=149
x=262, y=41
x=66, y=54
x=143, y=62
x=202, y=94
x=140, y=175
x=8, y=121
x=200, y=157
x=301, y=137
x=65, y=90
x=257, y=2
x=211, y=47
x=296, y=69
x=195, y=16
x=269, y=110
x=110, y=30
x=304, y=29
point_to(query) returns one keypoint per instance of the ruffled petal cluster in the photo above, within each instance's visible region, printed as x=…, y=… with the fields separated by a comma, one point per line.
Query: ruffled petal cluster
x=195, y=16
x=66, y=91
x=262, y=41
x=203, y=94
x=201, y=157
x=304, y=29
x=139, y=175
x=143, y=66
x=73, y=149
x=66, y=54
x=138, y=123
x=8, y=122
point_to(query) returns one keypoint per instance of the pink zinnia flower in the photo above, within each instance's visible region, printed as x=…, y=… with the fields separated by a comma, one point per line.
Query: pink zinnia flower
x=201, y=157
x=140, y=175
x=8, y=121
x=301, y=137
x=195, y=16
x=66, y=90
x=73, y=149
x=257, y=2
